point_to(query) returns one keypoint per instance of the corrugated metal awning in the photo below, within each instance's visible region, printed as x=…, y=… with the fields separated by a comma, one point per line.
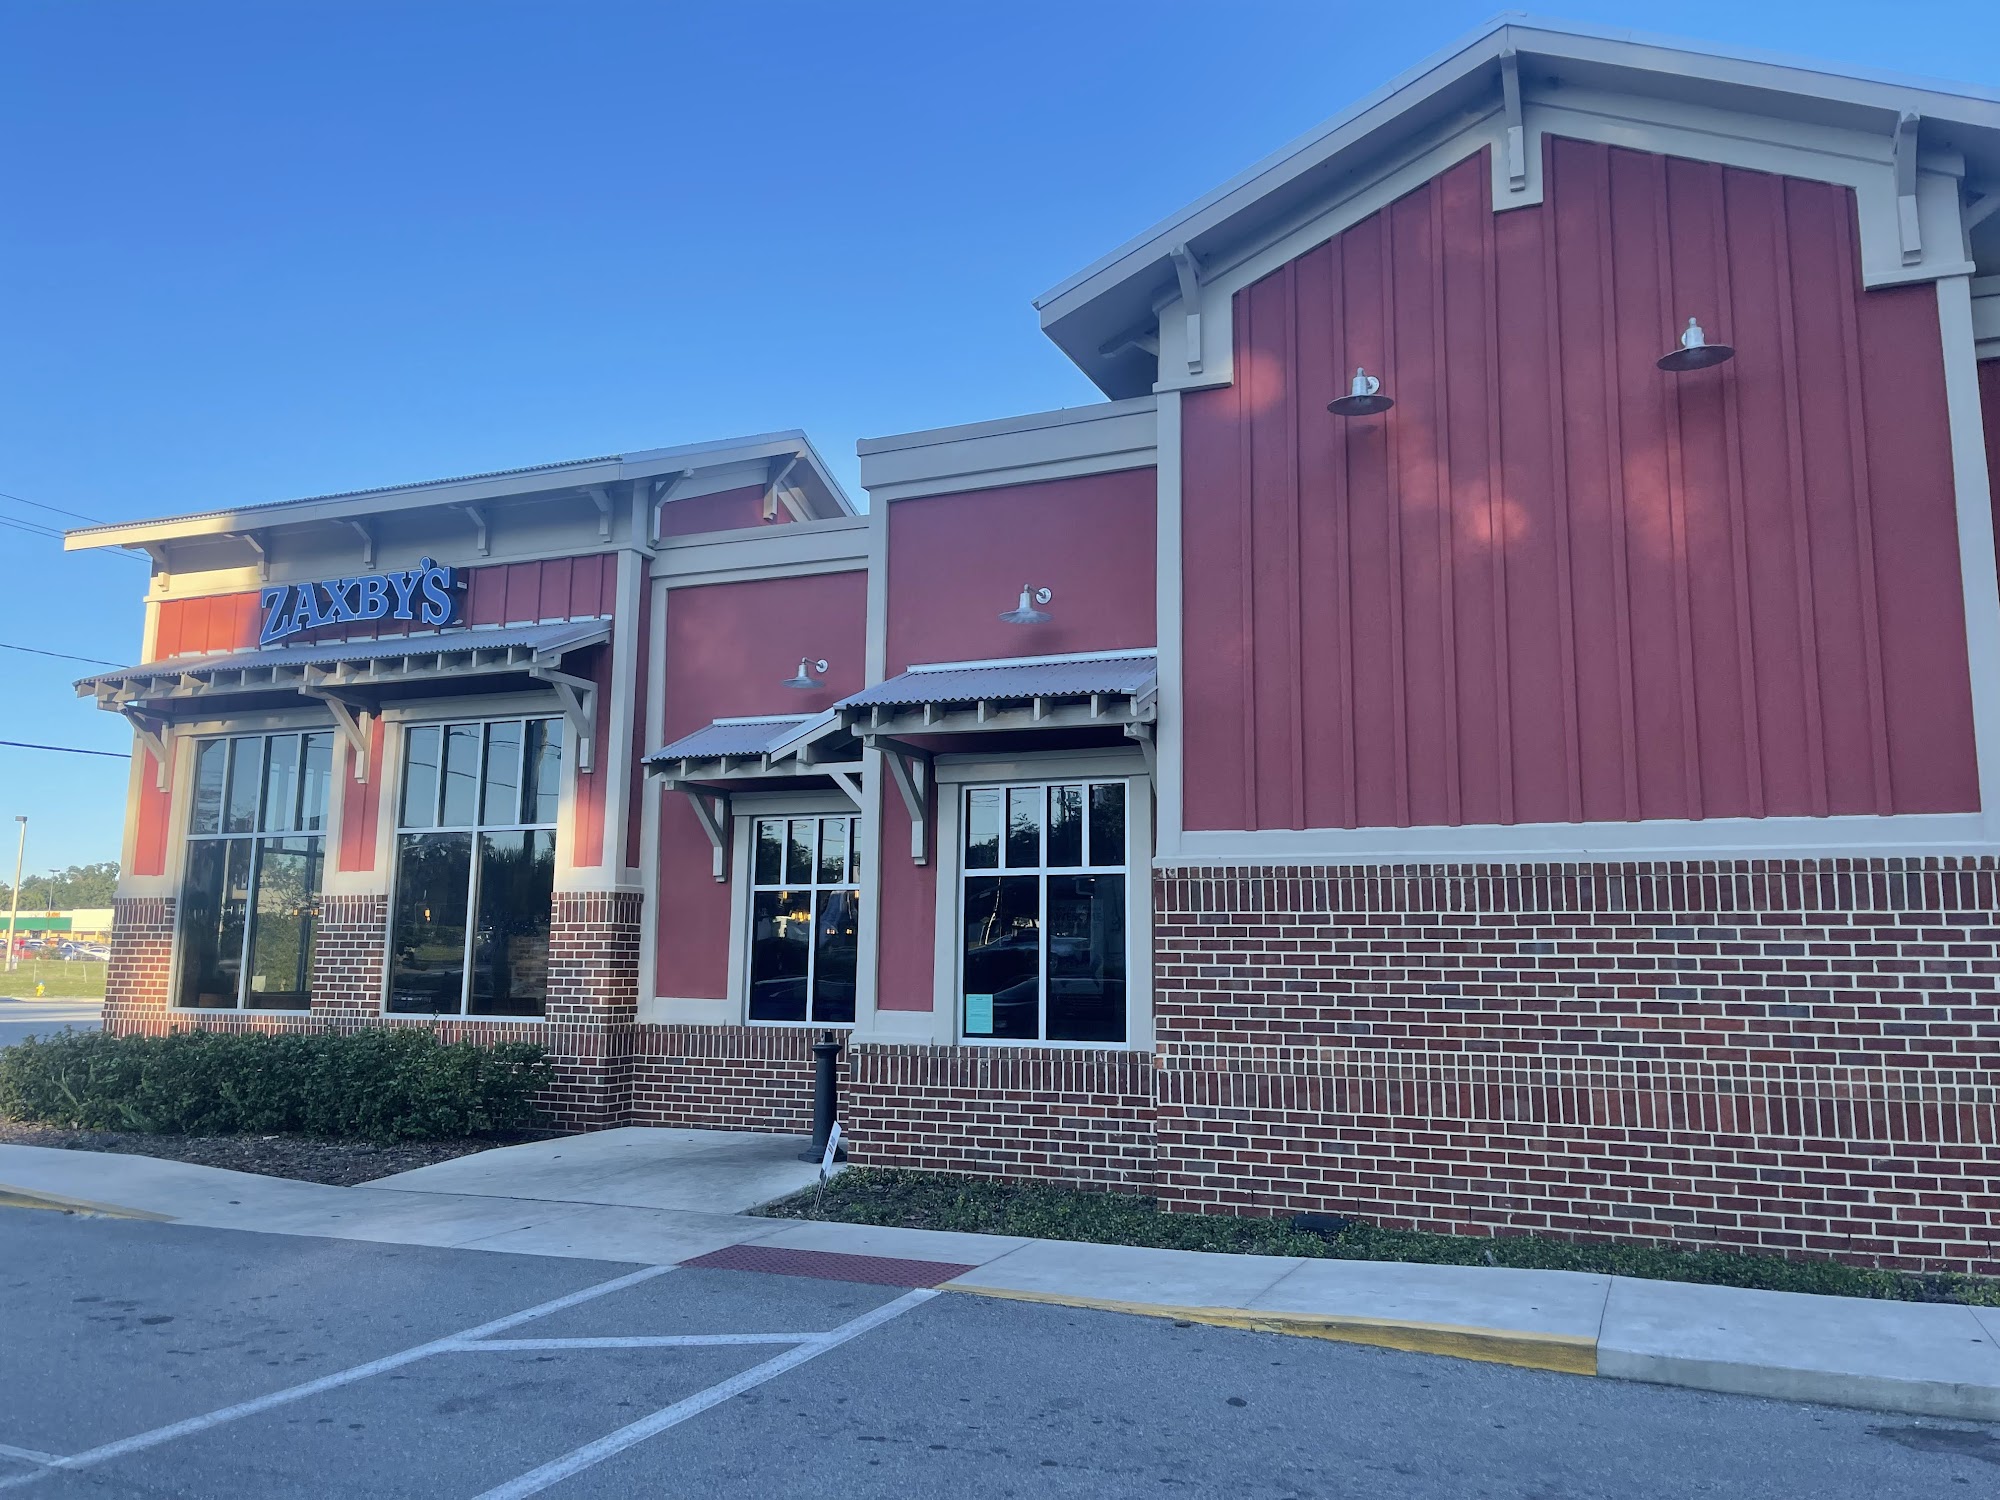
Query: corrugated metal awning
x=1131, y=676
x=770, y=745
x=273, y=665
x=352, y=678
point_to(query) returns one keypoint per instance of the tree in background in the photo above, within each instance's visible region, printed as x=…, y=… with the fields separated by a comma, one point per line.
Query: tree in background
x=64, y=890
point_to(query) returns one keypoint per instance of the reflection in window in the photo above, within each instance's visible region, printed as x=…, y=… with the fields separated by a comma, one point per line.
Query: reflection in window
x=804, y=920
x=475, y=869
x=249, y=905
x=1043, y=946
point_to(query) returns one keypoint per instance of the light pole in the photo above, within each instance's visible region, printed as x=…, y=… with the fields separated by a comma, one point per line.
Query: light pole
x=14, y=914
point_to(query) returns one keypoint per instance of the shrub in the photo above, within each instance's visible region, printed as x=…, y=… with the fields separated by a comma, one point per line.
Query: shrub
x=380, y=1084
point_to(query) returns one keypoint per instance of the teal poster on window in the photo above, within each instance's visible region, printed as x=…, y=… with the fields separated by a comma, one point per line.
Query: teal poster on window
x=979, y=1015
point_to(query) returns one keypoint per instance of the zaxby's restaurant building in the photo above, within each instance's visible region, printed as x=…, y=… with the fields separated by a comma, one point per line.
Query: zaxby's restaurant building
x=1443, y=740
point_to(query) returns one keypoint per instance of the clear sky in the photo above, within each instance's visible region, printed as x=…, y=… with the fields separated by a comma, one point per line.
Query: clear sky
x=256, y=250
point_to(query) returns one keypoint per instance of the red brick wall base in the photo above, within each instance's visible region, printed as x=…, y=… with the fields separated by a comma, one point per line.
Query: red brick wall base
x=1048, y=1112
x=724, y=1078
x=1791, y=1057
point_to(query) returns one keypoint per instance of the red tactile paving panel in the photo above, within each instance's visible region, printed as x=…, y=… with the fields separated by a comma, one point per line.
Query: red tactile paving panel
x=829, y=1265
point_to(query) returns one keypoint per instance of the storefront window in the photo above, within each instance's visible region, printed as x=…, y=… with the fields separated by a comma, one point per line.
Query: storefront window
x=256, y=848
x=804, y=904
x=1043, y=944
x=475, y=868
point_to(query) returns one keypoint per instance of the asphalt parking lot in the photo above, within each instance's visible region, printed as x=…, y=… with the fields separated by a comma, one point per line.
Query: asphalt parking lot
x=152, y=1360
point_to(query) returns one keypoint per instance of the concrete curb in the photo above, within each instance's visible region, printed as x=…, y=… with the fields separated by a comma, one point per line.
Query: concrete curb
x=18, y=1197
x=1566, y=1354
x=1922, y=1398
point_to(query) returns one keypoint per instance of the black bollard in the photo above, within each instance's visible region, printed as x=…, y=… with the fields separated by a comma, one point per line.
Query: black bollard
x=826, y=1096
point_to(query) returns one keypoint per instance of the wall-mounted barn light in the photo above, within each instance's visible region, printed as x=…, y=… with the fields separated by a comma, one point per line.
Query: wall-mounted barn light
x=1025, y=612
x=805, y=681
x=1695, y=351
x=1363, y=399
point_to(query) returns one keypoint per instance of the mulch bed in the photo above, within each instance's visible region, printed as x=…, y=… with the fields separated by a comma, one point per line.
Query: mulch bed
x=336, y=1163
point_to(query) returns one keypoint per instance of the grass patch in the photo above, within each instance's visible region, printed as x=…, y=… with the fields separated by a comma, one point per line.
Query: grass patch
x=60, y=979
x=983, y=1205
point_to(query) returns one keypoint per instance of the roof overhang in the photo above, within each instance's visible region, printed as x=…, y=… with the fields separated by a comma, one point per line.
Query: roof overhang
x=786, y=462
x=1099, y=690
x=353, y=679
x=1103, y=316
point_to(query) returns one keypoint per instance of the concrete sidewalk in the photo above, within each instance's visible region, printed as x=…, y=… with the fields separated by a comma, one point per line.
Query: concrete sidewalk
x=1926, y=1359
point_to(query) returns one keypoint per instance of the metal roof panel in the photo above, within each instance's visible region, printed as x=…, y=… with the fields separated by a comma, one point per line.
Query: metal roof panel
x=1132, y=675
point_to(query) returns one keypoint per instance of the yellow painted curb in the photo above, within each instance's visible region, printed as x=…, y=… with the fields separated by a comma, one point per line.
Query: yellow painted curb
x=16, y=1197
x=1566, y=1353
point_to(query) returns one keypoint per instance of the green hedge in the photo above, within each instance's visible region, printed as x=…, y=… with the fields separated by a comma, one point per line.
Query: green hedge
x=380, y=1084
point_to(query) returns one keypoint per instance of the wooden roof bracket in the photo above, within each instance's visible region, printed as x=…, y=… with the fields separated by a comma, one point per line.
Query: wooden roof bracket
x=367, y=533
x=1906, y=188
x=1517, y=135
x=156, y=735
x=603, y=503
x=910, y=769
x=256, y=541
x=663, y=491
x=1188, y=271
x=781, y=470
x=712, y=811
x=1142, y=736
x=579, y=706
x=482, y=539
x=353, y=717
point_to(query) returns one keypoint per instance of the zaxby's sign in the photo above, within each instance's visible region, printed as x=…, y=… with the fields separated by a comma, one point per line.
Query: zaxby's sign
x=426, y=595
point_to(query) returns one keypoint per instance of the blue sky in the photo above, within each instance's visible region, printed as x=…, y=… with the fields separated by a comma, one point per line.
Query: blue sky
x=285, y=247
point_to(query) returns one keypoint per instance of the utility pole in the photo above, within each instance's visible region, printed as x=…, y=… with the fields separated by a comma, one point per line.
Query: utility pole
x=14, y=915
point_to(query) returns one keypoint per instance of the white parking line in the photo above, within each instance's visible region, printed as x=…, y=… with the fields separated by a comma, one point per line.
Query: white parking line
x=27, y=1455
x=448, y=1344
x=637, y=1341
x=554, y=1472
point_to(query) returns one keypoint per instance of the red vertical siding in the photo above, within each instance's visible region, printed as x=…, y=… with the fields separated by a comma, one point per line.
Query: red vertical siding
x=907, y=942
x=1554, y=583
x=156, y=811
x=729, y=649
x=956, y=562
x=726, y=510
x=361, y=801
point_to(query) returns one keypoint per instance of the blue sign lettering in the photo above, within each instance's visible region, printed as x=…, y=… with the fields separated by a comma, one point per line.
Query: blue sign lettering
x=426, y=595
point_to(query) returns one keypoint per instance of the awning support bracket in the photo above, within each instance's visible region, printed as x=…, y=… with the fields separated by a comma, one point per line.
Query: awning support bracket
x=352, y=717
x=482, y=540
x=712, y=811
x=367, y=533
x=910, y=770
x=848, y=783
x=256, y=541
x=579, y=706
x=156, y=735
x=1142, y=736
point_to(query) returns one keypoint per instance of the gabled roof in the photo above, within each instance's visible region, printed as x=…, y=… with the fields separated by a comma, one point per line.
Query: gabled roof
x=1094, y=315
x=807, y=472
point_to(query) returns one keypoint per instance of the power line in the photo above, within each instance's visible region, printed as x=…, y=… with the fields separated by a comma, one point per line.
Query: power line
x=95, y=661
x=50, y=534
x=41, y=505
x=67, y=749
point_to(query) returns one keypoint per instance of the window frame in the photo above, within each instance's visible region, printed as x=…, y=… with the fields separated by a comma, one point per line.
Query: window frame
x=184, y=787
x=746, y=931
x=746, y=812
x=394, y=830
x=954, y=783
